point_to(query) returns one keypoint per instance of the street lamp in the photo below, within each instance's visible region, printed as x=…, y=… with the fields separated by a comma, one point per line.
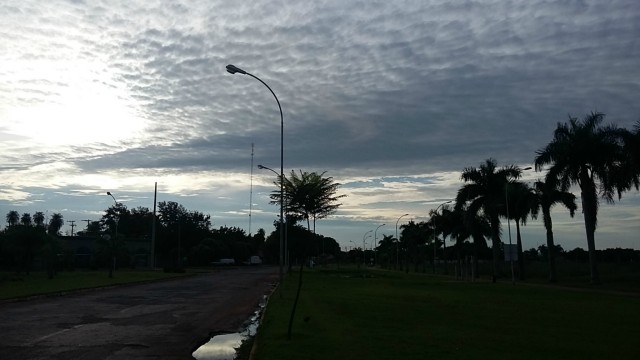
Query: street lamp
x=434, y=235
x=506, y=201
x=231, y=69
x=375, y=242
x=364, y=259
x=398, y=240
x=115, y=238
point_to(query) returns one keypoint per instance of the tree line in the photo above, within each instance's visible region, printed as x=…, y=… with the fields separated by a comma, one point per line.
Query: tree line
x=603, y=161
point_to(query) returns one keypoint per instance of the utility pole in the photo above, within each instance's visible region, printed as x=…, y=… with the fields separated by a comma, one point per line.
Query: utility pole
x=251, y=190
x=73, y=224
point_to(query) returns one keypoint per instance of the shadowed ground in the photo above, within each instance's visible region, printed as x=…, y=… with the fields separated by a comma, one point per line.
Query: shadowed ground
x=165, y=320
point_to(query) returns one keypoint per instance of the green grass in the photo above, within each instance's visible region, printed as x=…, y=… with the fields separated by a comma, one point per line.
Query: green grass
x=14, y=286
x=391, y=315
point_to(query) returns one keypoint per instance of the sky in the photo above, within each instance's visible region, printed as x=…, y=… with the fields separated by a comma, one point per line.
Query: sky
x=393, y=99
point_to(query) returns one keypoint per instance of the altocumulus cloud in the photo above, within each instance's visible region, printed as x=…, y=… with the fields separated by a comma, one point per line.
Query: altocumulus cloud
x=393, y=98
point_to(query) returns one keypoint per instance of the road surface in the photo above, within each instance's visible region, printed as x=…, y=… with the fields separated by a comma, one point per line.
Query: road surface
x=164, y=320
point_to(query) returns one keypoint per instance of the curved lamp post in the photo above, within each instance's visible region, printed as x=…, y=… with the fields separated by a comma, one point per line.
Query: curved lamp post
x=375, y=242
x=231, y=69
x=364, y=258
x=434, y=235
x=506, y=201
x=398, y=240
x=115, y=238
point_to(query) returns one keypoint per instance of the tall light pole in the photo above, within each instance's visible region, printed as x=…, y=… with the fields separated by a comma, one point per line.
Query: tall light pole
x=506, y=201
x=231, y=69
x=364, y=259
x=375, y=243
x=434, y=235
x=286, y=248
x=115, y=238
x=398, y=240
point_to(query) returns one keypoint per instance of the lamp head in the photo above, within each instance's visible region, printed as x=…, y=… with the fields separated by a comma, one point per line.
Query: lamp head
x=231, y=69
x=527, y=168
x=109, y=193
x=260, y=167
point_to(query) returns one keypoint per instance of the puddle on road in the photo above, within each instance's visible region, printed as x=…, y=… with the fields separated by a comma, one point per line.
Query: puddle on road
x=223, y=346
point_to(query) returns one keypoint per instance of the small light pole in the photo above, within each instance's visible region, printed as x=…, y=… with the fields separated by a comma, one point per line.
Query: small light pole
x=364, y=258
x=115, y=238
x=434, y=235
x=506, y=201
x=375, y=244
x=398, y=240
x=286, y=227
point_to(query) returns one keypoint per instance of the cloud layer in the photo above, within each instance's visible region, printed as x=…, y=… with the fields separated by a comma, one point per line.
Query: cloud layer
x=108, y=95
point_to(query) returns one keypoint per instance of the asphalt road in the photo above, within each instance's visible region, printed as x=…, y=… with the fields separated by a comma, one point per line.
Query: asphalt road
x=164, y=320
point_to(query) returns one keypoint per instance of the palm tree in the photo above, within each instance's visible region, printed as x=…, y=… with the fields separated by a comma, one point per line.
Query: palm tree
x=485, y=191
x=13, y=217
x=26, y=219
x=311, y=196
x=55, y=223
x=38, y=219
x=520, y=205
x=546, y=195
x=631, y=166
x=590, y=155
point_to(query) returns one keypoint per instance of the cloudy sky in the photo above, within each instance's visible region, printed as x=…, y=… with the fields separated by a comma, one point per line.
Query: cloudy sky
x=391, y=98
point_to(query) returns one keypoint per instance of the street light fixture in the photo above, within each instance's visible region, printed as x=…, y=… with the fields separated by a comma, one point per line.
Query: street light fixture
x=115, y=238
x=506, y=201
x=398, y=240
x=434, y=235
x=231, y=69
x=375, y=242
x=364, y=259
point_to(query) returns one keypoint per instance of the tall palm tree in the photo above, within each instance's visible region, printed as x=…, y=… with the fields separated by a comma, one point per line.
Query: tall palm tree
x=520, y=204
x=546, y=195
x=26, y=220
x=590, y=155
x=38, y=219
x=631, y=166
x=13, y=217
x=55, y=223
x=485, y=191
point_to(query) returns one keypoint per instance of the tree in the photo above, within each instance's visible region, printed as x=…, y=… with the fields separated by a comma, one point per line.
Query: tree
x=546, y=195
x=590, y=155
x=485, y=191
x=311, y=196
x=55, y=223
x=631, y=167
x=13, y=217
x=25, y=219
x=38, y=219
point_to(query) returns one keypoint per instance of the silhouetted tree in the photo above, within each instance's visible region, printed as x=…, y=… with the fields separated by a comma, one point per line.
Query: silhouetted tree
x=55, y=224
x=25, y=219
x=520, y=204
x=13, y=217
x=590, y=155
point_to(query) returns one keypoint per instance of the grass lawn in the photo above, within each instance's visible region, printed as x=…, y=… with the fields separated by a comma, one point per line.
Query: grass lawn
x=392, y=315
x=13, y=285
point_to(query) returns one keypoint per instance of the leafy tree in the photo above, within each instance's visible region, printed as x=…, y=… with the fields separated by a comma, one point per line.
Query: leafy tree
x=13, y=217
x=547, y=195
x=590, y=155
x=484, y=190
